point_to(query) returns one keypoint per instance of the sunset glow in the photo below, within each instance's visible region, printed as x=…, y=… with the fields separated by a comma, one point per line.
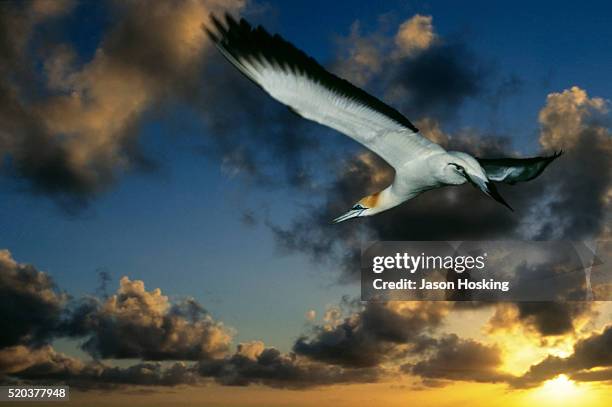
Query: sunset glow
x=262, y=203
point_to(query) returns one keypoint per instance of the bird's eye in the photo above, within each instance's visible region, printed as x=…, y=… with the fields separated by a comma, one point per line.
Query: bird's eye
x=357, y=207
x=458, y=167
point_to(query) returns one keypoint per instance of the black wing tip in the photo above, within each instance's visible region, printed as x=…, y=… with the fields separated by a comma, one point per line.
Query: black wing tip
x=549, y=159
x=506, y=204
x=213, y=37
x=241, y=40
x=222, y=29
x=208, y=29
x=492, y=190
x=556, y=154
x=214, y=29
x=232, y=23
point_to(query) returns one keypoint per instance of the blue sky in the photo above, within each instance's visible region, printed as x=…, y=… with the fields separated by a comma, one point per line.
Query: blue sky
x=179, y=226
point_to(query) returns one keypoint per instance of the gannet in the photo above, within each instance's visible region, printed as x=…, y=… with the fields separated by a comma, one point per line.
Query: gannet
x=298, y=81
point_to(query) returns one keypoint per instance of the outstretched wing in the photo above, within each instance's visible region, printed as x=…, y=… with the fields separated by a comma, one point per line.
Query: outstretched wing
x=298, y=81
x=513, y=170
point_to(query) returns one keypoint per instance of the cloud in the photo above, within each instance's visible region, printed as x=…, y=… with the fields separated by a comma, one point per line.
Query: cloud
x=355, y=343
x=589, y=353
x=72, y=128
x=577, y=207
x=437, y=80
x=44, y=361
x=267, y=366
x=45, y=365
x=362, y=56
x=147, y=374
x=73, y=134
x=256, y=364
x=414, y=35
x=252, y=363
x=371, y=335
x=17, y=26
x=543, y=318
x=417, y=71
x=460, y=359
x=568, y=114
x=17, y=358
x=135, y=323
x=30, y=305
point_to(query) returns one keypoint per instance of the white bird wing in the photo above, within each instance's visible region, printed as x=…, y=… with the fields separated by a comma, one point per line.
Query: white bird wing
x=298, y=81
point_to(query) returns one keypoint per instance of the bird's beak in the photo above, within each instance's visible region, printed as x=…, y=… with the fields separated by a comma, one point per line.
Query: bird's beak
x=353, y=213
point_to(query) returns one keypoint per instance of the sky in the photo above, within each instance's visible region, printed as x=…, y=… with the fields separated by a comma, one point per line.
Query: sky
x=150, y=191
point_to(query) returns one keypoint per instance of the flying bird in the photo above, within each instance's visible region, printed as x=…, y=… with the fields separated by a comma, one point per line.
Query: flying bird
x=298, y=81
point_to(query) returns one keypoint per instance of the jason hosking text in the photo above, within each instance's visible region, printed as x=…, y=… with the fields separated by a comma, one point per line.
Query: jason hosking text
x=406, y=273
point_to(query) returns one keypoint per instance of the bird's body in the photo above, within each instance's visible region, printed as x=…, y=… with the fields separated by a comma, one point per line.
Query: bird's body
x=298, y=81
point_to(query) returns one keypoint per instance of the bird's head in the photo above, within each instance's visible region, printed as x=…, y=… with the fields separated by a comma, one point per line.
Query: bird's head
x=366, y=206
x=463, y=167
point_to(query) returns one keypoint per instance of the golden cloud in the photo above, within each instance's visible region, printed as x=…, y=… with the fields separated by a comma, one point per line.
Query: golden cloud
x=414, y=35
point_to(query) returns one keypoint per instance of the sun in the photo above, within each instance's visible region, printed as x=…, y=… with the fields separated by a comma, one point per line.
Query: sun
x=558, y=391
x=561, y=386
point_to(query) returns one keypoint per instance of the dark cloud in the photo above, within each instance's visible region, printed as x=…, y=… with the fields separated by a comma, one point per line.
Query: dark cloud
x=30, y=305
x=145, y=374
x=437, y=80
x=417, y=71
x=579, y=207
x=135, y=323
x=460, y=359
x=546, y=318
x=45, y=365
x=603, y=375
x=594, y=350
x=36, y=362
x=373, y=334
x=357, y=343
x=36, y=153
x=249, y=133
x=270, y=367
x=266, y=366
x=590, y=353
x=68, y=129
